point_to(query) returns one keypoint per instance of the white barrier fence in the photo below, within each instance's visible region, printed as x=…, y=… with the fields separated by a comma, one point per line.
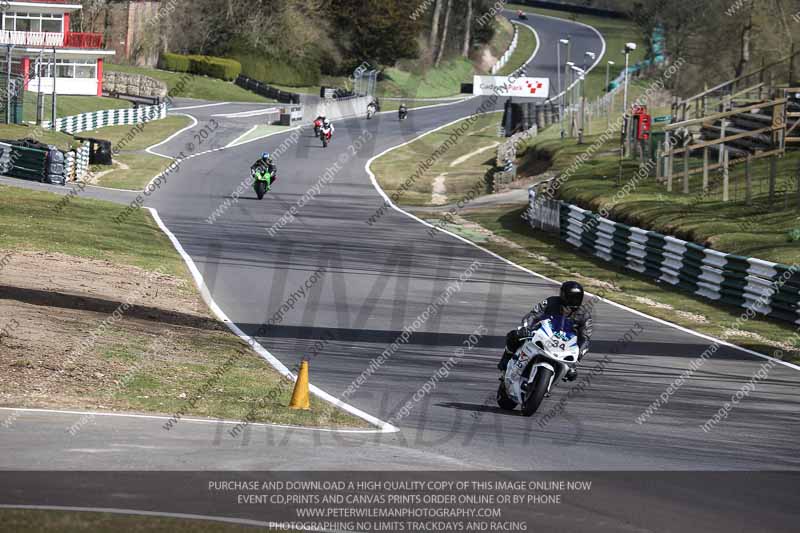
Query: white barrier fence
x=109, y=117
x=511, y=48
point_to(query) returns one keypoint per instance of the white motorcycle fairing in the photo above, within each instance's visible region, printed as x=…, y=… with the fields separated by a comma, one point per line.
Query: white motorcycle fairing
x=552, y=348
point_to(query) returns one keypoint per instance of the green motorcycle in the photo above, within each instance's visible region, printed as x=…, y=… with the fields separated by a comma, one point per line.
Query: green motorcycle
x=262, y=180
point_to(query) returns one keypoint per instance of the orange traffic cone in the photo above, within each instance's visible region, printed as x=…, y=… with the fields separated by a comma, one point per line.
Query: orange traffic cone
x=300, y=399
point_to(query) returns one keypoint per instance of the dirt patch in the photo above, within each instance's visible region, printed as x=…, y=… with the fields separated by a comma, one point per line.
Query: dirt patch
x=90, y=334
x=59, y=332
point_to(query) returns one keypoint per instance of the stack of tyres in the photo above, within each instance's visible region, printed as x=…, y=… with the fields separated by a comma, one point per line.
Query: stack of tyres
x=56, y=169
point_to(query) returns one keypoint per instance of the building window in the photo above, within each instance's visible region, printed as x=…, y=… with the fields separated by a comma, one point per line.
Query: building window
x=69, y=68
x=44, y=22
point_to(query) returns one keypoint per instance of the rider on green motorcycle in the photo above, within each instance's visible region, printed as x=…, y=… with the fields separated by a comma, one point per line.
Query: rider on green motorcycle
x=265, y=164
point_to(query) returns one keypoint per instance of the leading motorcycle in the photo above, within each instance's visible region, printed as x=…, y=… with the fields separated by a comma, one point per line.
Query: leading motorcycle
x=544, y=359
x=262, y=182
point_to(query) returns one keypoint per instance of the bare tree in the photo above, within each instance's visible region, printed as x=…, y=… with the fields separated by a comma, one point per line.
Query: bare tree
x=443, y=43
x=467, y=33
x=437, y=12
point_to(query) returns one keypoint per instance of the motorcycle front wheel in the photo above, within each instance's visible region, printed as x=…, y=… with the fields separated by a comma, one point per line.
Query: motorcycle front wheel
x=503, y=400
x=261, y=189
x=535, y=391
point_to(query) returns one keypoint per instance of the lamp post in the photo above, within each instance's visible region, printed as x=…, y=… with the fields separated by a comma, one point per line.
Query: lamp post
x=579, y=75
x=569, y=94
x=629, y=47
x=592, y=56
x=561, y=42
x=609, y=103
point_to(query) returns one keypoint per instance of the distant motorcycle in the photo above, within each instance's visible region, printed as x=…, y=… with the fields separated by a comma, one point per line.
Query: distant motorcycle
x=262, y=181
x=543, y=360
x=371, y=110
x=402, y=113
x=521, y=15
x=326, y=135
x=317, y=126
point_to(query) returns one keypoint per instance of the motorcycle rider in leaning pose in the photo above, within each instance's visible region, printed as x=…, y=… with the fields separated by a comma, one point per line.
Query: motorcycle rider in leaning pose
x=569, y=304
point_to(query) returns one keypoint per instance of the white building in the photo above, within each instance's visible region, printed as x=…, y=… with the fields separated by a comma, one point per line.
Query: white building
x=40, y=28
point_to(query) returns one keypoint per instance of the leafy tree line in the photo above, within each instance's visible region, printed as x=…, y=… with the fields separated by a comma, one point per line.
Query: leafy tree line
x=331, y=36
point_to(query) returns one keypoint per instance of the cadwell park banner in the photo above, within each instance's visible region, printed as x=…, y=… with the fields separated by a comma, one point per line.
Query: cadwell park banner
x=510, y=86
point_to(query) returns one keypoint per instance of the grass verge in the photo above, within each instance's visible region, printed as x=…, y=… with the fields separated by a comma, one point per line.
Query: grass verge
x=436, y=82
x=763, y=229
x=462, y=168
x=200, y=87
x=525, y=46
x=164, y=354
x=546, y=254
x=28, y=521
x=131, y=171
x=151, y=133
x=28, y=219
x=14, y=132
x=69, y=105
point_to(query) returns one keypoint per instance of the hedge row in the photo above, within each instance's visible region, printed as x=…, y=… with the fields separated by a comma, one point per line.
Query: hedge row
x=214, y=67
x=270, y=70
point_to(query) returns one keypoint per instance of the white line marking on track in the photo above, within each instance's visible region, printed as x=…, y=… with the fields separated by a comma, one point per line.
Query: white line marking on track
x=538, y=42
x=522, y=268
x=260, y=350
x=188, y=419
x=242, y=136
x=247, y=114
x=198, y=106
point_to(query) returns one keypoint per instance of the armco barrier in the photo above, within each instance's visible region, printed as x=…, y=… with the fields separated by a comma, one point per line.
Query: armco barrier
x=267, y=91
x=767, y=288
x=109, y=117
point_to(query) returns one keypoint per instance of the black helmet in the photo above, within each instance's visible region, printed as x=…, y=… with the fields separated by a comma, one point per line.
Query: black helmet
x=571, y=294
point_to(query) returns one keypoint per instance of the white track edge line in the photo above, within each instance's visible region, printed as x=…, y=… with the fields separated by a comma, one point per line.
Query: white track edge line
x=538, y=42
x=600, y=57
x=522, y=268
x=150, y=149
x=187, y=419
x=236, y=143
x=385, y=427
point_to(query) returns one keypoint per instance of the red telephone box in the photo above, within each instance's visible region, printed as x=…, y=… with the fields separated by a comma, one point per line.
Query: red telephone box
x=643, y=122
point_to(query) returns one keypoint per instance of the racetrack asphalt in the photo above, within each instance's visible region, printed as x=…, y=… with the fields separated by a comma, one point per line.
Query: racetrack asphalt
x=380, y=277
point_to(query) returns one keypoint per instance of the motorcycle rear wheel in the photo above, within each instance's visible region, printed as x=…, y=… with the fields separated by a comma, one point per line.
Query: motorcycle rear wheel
x=503, y=400
x=535, y=392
